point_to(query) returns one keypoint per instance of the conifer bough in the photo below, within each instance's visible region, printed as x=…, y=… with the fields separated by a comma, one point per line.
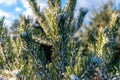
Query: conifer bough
x=52, y=52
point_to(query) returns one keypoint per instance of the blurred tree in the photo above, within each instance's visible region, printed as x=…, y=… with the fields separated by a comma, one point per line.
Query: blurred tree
x=15, y=25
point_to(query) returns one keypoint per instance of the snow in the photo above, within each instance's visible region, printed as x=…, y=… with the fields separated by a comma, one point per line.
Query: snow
x=74, y=77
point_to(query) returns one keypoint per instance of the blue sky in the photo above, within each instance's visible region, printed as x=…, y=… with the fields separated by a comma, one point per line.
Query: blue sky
x=12, y=8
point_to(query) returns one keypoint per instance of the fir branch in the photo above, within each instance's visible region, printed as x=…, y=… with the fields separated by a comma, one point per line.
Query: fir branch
x=82, y=13
x=4, y=53
x=41, y=41
x=69, y=9
x=51, y=3
x=40, y=19
x=58, y=5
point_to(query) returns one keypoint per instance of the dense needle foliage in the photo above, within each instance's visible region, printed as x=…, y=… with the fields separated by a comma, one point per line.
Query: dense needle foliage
x=48, y=48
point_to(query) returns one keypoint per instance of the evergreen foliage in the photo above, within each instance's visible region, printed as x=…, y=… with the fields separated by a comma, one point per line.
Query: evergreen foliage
x=49, y=50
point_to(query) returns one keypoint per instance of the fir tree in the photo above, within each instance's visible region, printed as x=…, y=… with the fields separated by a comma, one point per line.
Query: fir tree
x=49, y=50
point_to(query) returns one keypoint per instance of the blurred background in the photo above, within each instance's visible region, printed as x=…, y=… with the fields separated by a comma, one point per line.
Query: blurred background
x=11, y=9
